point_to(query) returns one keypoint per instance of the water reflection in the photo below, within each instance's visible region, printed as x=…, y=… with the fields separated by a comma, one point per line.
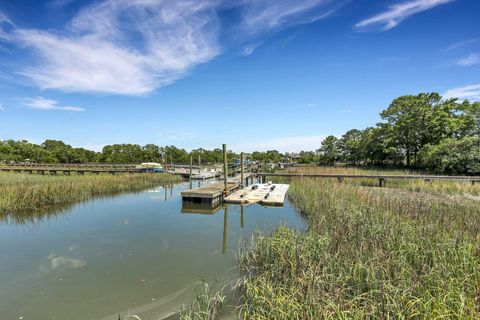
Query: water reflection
x=207, y=210
x=163, y=189
x=138, y=250
x=225, y=229
x=32, y=217
x=37, y=216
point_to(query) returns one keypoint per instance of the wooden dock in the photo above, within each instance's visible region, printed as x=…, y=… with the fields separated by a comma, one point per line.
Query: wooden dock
x=210, y=195
x=264, y=193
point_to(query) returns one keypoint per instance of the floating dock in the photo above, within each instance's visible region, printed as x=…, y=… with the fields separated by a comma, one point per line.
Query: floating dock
x=212, y=194
x=205, y=175
x=264, y=193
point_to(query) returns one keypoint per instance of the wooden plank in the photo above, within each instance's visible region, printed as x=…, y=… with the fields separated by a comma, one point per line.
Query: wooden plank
x=263, y=193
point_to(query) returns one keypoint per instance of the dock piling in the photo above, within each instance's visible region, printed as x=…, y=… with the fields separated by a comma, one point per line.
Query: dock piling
x=225, y=168
x=199, y=163
x=191, y=165
x=381, y=182
x=242, y=161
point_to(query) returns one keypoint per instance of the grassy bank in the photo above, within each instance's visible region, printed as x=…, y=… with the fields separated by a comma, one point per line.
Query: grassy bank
x=27, y=192
x=411, y=250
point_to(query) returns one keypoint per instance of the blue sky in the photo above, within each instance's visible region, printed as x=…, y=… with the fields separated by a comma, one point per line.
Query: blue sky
x=255, y=74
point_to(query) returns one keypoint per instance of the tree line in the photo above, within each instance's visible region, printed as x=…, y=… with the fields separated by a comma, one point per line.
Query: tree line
x=55, y=151
x=417, y=131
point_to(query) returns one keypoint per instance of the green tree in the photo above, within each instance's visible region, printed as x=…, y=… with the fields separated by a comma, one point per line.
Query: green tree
x=419, y=120
x=468, y=119
x=307, y=157
x=457, y=156
x=152, y=153
x=351, y=147
x=329, y=151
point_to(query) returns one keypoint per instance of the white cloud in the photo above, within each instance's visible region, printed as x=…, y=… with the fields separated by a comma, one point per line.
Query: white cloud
x=5, y=23
x=1, y=107
x=470, y=60
x=265, y=15
x=461, y=44
x=397, y=13
x=41, y=103
x=72, y=108
x=250, y=48
x=123, y=47
x=132, y=47
x=59, y=3
x=470, y=92
x=285, y=144
x=312, y=105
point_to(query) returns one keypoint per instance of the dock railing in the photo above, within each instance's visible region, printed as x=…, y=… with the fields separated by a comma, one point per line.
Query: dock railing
x=381, y=178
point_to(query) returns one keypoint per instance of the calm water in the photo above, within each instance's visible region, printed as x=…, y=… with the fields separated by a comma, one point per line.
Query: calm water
x=135, y=252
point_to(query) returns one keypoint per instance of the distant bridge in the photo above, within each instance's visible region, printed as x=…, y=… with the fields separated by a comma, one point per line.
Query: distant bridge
x=68, y=168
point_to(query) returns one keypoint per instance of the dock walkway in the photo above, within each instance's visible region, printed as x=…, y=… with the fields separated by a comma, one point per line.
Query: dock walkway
x=263, y=193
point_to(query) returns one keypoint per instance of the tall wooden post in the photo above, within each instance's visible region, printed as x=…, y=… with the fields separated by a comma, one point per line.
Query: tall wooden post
x=225, y=169
x=191, y=164
x=242, y=159
x=199, y=163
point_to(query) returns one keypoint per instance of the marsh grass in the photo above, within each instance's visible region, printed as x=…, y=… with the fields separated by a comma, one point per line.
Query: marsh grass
x=23, y=194
x=408, y=251
x=206, y=306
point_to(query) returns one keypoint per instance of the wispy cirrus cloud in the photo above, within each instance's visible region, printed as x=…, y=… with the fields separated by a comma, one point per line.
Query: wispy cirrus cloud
x=250, y=48
x=461, y=44
x=470, y=60
x=470, y=92
x=133, y=47
x=59, y=3
x=396, y=13
x=40, y=103
x=5, y=25
x=266, y=15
